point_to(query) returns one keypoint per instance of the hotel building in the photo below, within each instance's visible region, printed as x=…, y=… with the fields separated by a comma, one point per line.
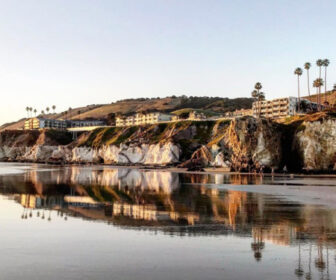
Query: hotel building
x=276, y=108
x=141, y=119
x=41, y=123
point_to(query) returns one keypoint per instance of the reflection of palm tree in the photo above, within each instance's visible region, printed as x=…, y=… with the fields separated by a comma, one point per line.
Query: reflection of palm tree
x=23, y=213
x=257, y=245
x=299, y=271
x=319, y=262
x=308, y=274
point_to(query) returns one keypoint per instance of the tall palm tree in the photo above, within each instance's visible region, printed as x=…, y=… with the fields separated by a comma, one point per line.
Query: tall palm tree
x=258, y=96
x=319, y=63
x=42, y=113
x=307, y=66
x=326, y=63
x=69, y=112
x=258, y=86
x=35, y=111
x=298, y=72
x=54, y=108
x=27, y=110
x=47, y=109
x=31, y=111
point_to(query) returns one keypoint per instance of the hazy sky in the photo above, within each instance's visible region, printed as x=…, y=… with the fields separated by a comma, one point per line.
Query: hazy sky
x=78, y=52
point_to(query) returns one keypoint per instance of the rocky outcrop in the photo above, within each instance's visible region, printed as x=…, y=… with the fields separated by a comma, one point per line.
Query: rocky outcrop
x=247, y=144
x=316, y=143
x=242, y=144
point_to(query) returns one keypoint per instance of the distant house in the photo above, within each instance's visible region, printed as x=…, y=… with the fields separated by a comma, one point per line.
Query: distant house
x=194, y=115
x=141, y=119
x=240, y=113
x=41, y=123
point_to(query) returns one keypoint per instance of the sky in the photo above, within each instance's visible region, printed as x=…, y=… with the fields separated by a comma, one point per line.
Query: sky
x=73, y=53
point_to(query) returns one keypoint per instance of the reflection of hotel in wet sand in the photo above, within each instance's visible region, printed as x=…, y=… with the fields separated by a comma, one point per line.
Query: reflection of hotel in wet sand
x=150, y=213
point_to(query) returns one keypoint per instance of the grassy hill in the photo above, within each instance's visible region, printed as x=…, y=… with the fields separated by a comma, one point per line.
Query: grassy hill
x=209, y=105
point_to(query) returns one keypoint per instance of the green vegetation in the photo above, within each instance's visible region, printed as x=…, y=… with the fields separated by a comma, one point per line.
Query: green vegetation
x=60, y=137
x=207, y=113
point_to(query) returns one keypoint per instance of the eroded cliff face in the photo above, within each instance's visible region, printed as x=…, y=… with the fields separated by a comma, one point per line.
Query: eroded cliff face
x=243, y=144
x=246, y=144
x=316, y=143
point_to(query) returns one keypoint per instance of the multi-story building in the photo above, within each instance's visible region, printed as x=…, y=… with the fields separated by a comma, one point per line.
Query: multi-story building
x=276, y=108
x=240, y=113
x=41, y=123
x=141, y=119
x=82, y=123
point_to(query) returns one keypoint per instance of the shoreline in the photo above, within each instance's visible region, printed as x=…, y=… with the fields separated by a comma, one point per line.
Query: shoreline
x=174, y=169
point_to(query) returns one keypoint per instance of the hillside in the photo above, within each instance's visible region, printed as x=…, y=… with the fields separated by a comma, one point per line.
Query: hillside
x=210, y=105
x=242, y=144
x=330, y=97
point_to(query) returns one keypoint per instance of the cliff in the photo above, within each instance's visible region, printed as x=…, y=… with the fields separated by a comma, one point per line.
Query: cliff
x=242, y=144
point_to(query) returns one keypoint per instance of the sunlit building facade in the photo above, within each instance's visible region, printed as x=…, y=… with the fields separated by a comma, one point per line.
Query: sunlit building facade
x=142, y=119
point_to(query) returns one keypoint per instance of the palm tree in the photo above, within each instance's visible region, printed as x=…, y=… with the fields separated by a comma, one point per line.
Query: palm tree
x=31, y=111
x=307, y=66
x=258, y=86
x=319, y=63
x=326, y=63
x=47, y=109
x=35, y=111
x=318, y=83
x=258, y=96
x=298, y=72
x=27, y=109
x=54, y=108
x=42, y=113
x=69, y=112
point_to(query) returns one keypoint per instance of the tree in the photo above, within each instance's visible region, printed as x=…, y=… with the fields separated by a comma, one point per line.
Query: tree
x=318, y=83
x=35, y=111
x=27, y=110
x=307, y=66
x=319, y=63
x=258, y=96
x=47, y=109
x=42, y=113
x=326, y=63
x=54, y=108
x=69, y=112
x=298, y=72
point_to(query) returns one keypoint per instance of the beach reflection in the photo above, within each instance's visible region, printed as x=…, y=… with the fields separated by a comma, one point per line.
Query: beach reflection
x=179, y=205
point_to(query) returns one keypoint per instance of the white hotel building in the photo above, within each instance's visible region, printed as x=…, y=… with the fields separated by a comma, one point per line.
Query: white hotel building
x=276, y=108
x=141, y=119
